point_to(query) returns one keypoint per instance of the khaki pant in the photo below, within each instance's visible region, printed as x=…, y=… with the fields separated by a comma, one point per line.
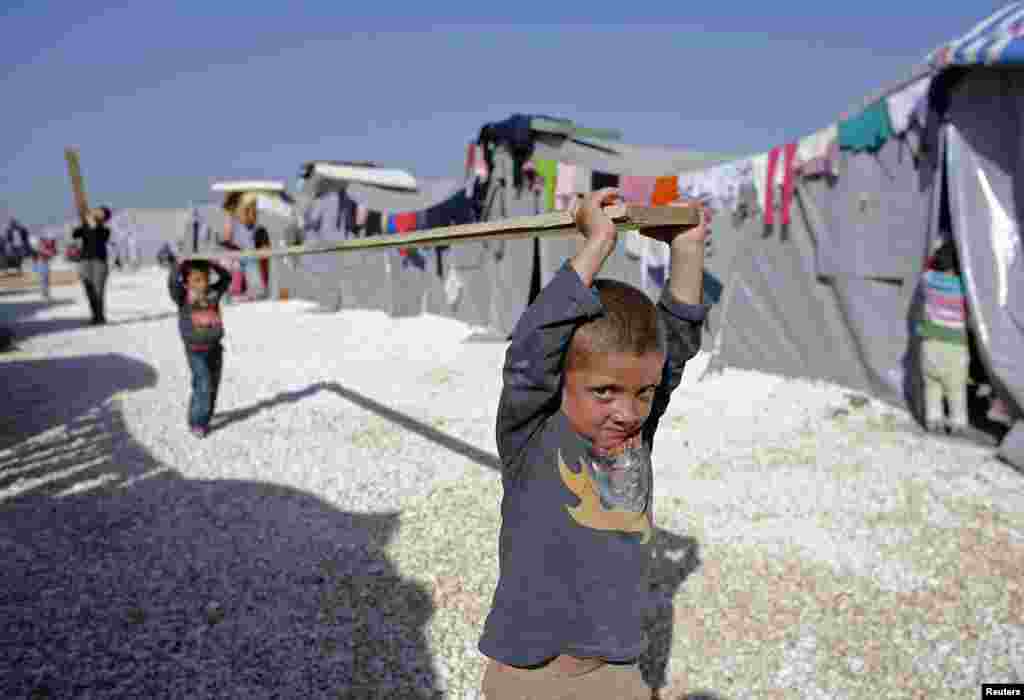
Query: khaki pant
x=606, y=682
x=945, y=366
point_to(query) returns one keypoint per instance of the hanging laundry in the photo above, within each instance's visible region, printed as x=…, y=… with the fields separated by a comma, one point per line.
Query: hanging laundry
x=637, y=189
x=867, y=131
x=654, y=265
x=718, y=187
x=666, y=191
x=728, y=181
x=818, y=154
x=787, y=155
x=548, y=169
x=904, y=106
x=402, y=223
x=362, y=213
x=470, y=159
x=759, y=167
x=515, y=135
x=476, y=169
x=584, y=179
x=374, y=221
x=599, y=180
x=453, y=286
x=565, y=186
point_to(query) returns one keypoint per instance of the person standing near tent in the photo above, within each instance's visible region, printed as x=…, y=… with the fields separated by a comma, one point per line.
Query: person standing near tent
x=238, y=235
x=945, y=359
x=588, y=375
x=92, y=267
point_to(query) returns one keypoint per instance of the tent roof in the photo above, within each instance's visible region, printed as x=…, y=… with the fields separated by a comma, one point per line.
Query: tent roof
x=622, y=158
x=996, y=40
x=429, y=192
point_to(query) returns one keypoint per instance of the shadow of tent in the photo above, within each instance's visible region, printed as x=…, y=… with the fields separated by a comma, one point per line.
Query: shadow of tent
x=28, y=328
x=12, y=311
x=148, y=584
x=675, y=557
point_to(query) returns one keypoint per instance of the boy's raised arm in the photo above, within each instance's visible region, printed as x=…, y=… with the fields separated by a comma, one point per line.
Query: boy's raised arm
x=681, y=309
x=174, y=284
x=532, y=375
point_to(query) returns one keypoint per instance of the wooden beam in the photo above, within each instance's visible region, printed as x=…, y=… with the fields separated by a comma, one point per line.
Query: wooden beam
x=77, y=183
x=553, y=224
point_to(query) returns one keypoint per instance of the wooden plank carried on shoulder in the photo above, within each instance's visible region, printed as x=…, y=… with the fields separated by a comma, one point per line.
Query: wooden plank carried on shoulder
x=559, y=223
x=77, y=182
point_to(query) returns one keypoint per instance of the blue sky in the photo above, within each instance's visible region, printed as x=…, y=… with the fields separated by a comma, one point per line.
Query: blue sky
x=163, y=98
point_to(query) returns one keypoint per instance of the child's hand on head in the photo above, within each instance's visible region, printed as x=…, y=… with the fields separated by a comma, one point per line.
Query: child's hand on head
x=591, y=220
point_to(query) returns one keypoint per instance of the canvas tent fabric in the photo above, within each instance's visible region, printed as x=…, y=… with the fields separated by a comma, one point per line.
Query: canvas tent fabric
x=379, y=280
x=985, y=167
x=833, y=296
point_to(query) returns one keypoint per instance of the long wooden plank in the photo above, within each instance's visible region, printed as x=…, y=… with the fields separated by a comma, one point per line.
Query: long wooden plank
x=559, y=223
x=77, y=183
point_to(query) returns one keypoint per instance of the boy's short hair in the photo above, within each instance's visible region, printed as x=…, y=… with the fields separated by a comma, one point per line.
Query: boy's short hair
x=630, y=324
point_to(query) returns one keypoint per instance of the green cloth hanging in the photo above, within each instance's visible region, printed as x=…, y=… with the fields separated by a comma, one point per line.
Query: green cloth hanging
x=548, y=169
x=868, y=131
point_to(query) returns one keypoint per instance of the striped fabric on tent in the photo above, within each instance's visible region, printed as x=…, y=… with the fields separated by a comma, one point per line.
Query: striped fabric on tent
x=997, y=40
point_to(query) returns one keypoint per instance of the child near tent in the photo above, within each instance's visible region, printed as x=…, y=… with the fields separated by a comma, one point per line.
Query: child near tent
x=202, y=330
x=945, y=359
x=586, y=380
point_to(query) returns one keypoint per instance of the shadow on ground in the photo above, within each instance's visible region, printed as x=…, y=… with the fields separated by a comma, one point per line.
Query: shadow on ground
x=675, y=556
x=124, y=579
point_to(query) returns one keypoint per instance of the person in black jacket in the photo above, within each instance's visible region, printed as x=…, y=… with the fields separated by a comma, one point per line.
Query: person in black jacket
x=202, y=330
x=92, y=266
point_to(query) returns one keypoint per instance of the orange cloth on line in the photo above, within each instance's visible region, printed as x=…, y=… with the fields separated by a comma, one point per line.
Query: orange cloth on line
x=666, y=191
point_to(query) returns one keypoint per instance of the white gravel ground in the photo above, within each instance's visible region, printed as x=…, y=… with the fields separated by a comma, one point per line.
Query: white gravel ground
x=337, y=532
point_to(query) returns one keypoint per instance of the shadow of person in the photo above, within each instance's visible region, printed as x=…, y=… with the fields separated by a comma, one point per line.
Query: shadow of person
x=674, y=558
x=178, y=588
x=122, y=578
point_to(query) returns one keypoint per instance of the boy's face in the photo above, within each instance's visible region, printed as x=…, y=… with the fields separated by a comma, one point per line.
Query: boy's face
x=198, y=281
x=608, y=396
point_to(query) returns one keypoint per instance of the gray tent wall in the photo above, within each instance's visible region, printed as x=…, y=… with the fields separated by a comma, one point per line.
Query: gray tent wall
x=153, y=228
x=984, y=158
x=412, y=290
x=830, y=297
x=775, y=316
x=496, y=275
x=835, y=296
x=376, y=279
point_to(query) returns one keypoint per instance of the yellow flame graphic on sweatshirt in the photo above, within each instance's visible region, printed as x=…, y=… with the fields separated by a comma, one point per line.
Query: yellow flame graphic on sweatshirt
x=591, y=513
